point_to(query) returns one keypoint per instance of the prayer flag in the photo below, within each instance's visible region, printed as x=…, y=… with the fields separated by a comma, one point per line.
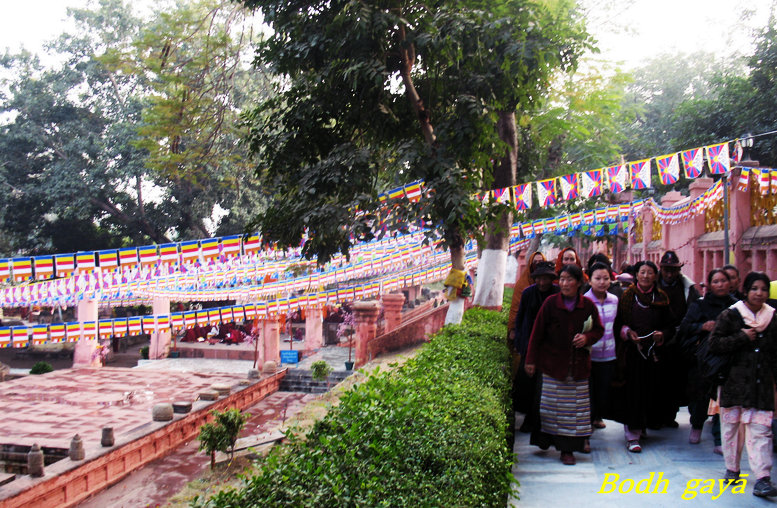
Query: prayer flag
x=230, y=245
x=190, y=249
x=40, y=334
x=640, y=174
x=251, y=243
x=522, y=196
x=168, y=252
x=502, y=195
x=105, y=328
x=120, y=327
x=148, y=255
x=617, y=177
x=210, y=248
x=128, y=256
x=65, y=264
x=546, y=192
x=717, y=157
x=568, y=185
x=134, y=326
x=743, y=184
x=591, y=183
x=85, y=261
x=89, y=330
x=773, y=172
x=413, y=191
x=5, y=336
x=73, y=332
x=693, y=161
x=57, y=331
x=108, y=258
x=22, y=268
x=19, y=336
x=668, y=168
x=44, y=267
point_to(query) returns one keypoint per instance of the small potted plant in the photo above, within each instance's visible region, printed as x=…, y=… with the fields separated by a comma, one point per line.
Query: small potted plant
x=320, y=371
x=347, y=329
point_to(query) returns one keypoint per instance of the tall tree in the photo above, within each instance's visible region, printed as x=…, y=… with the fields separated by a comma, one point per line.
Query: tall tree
x=379, y=93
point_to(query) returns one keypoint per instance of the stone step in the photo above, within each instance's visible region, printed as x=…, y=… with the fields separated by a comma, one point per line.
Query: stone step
x=301, y=380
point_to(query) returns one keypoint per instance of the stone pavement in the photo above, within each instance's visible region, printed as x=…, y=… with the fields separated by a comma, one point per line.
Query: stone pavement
x=155, y=483
x=545, y=481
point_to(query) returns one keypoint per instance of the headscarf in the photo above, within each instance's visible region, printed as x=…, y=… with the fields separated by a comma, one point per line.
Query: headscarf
x=560, y=265
x=522, y=281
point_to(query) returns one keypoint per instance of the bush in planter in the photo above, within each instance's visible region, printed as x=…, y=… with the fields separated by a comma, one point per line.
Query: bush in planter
x=41, y=368
x=320, y=370
x=431, y=433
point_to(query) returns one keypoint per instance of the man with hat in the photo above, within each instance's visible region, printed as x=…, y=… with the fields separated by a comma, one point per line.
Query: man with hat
x=682, y=292
x=526, y=401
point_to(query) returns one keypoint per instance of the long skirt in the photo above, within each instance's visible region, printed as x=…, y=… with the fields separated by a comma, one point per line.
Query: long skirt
x=565, y=415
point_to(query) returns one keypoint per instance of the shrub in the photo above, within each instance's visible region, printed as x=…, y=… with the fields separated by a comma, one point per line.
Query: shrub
x=431, y=433
x=221, y=434
x=320, y=370
x=41, y=368
x=144, y=352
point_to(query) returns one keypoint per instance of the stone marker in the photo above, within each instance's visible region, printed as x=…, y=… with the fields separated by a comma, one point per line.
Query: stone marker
x=182, y=407
x=244, y=382
x=76, y=448
x=270, y=367
x=209, y=395
x=222, y=389
x=253, y=373
x=35, y=461
x=107, y=439
x=162, y=412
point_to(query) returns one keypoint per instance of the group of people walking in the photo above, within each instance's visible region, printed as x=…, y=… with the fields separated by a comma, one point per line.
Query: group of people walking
x=590, y=345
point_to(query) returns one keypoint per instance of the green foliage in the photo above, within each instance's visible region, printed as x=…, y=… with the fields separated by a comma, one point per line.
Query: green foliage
x=432, y=433
x=41, y=368
x=320, y=370
x=377, y=94
x=144, y=352
x=221, y=434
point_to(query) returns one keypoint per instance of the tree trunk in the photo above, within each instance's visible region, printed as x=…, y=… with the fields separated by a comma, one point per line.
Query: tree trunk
x=489, y=289
x=458, y=256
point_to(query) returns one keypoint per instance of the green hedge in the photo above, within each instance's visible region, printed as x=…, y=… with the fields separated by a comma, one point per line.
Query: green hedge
x=434, y=432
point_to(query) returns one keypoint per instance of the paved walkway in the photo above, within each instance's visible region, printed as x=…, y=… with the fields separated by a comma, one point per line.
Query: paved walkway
x=544, y=481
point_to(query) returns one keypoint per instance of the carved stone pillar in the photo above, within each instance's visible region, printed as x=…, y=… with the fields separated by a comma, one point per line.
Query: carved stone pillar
x=271, y=336
x=160, y=340
x=314, y=328
x=82, y=356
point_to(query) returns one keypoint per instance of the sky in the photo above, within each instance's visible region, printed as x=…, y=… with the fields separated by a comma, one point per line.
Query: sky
x=628, y=31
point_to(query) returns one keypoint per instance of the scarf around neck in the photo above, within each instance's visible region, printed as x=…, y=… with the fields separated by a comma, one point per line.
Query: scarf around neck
x=757, y=320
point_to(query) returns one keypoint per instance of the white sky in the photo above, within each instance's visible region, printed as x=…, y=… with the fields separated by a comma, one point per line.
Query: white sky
x=630, y=34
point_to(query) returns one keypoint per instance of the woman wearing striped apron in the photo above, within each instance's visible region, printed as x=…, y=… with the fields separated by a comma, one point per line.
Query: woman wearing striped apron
x=565, y=329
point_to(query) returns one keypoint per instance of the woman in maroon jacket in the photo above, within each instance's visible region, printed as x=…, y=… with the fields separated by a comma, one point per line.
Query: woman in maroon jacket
x=565, y=328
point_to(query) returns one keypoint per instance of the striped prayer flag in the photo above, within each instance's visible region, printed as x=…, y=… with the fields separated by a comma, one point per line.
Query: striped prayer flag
x=73, y=332
x=250, y=310
x=22, y=268
x=109, y=259
x=190, y=319
x=57, y=332
x=19, y=336
x=163, y=322
x=149, y=324
x=774, y=180
x=251, y=243
x=227, y=315
x=177, y=321
x=230, y=245
x=397, y=193
x=120, y=327
x=149, y=255
x=40, y=334
x=5, y=270
x=261, y=310
x=89, y=330
x=413, y=191
x=134, y=326
x=128, y=256
x=168, y=252
x=214, y=316
x=190, y=249
x=65, y=264
x=5, y=336
x=105, y=328
x=44, y=267
x=743, y=183
x=85, y=261
x=209, y=248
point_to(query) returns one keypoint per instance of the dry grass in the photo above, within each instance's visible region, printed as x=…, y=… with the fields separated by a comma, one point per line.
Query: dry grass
x=226, y=475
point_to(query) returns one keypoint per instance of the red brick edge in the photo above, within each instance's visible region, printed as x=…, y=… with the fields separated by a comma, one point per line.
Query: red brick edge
x=67, y=482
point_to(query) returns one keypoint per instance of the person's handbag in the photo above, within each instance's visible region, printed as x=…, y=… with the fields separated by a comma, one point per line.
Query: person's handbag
x=713, y=367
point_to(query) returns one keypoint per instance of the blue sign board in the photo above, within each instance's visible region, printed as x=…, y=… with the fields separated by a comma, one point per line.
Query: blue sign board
x=289, y=356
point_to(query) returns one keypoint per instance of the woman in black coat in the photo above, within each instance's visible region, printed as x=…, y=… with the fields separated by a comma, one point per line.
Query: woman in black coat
x=695, y=328
x=747, y=334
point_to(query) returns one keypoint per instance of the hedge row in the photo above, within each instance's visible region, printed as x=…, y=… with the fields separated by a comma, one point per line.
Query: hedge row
x=433, y=432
